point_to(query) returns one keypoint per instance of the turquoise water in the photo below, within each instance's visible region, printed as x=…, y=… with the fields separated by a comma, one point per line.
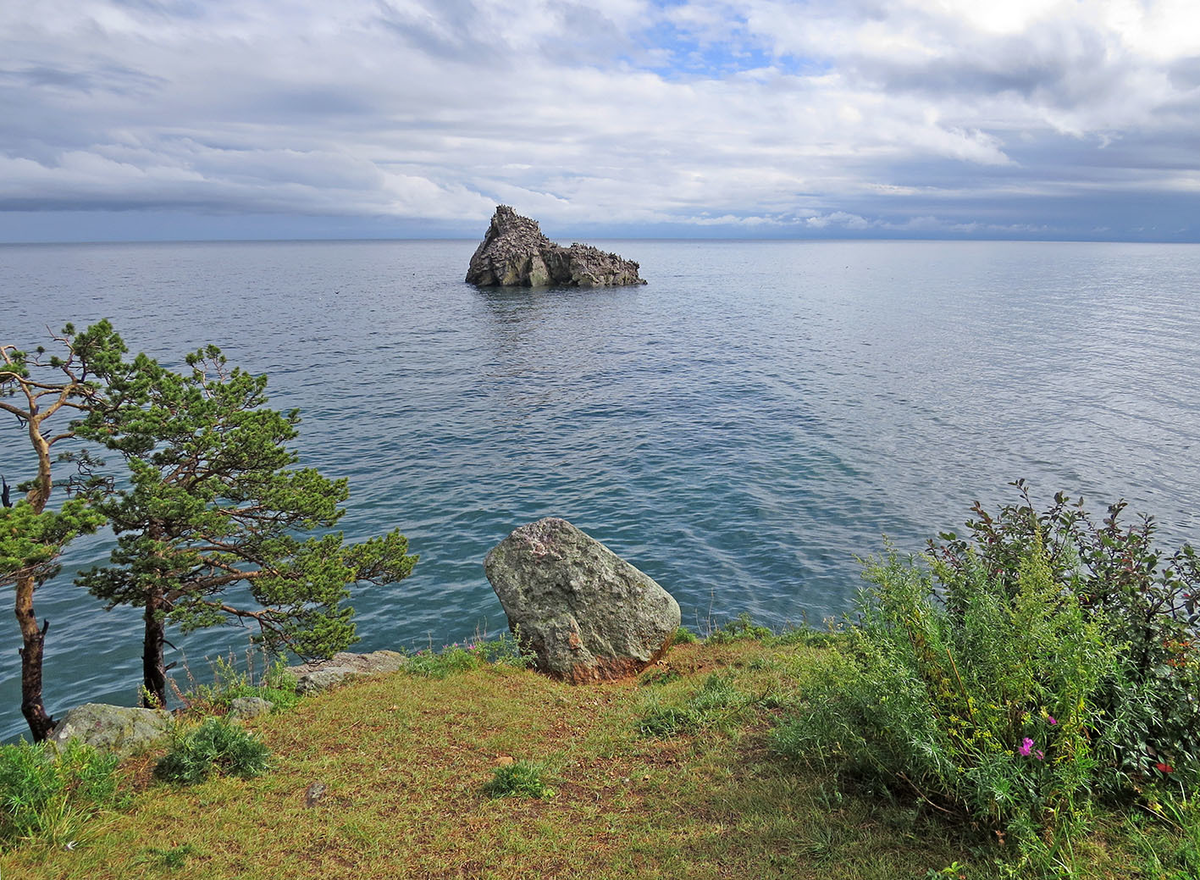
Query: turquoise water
x=740, y=428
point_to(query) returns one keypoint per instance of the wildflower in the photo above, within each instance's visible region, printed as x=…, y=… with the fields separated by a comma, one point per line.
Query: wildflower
x=1165, y=768
x=1026, y=747
x=1040, y=755
x=1050, y=718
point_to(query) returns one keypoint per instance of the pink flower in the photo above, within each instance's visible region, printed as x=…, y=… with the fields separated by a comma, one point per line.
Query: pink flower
x=1050, y=718
x=1026, y=747
x=1039, y=754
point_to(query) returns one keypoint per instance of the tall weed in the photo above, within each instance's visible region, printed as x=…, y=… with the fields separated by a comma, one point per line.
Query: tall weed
x=47, y=795
x=275, y=684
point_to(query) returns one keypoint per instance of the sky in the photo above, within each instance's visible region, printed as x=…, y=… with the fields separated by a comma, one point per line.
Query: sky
x=260, y=119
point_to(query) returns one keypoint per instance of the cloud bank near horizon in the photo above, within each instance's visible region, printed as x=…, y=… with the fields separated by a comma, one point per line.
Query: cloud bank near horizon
x=878, y=118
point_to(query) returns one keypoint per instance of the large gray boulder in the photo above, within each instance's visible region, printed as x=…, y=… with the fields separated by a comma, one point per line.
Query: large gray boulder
x=515, y=253
x=585, y=613
x=118, y=730
x=340, y=668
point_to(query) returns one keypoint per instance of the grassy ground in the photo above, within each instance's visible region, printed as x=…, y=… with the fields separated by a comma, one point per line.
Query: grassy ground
x=404, y=760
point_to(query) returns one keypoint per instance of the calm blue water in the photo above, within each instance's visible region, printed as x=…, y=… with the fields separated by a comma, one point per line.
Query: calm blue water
x=740, y=429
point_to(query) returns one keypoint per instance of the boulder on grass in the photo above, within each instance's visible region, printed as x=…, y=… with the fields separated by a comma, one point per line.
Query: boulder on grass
x=117, y=730
x=324, y=674
x=585, y=613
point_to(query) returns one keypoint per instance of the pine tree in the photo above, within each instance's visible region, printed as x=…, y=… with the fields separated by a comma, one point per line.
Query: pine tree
x=217, y=527
x=39, y=389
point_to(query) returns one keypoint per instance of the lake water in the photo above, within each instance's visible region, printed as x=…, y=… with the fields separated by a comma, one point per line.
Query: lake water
x=741, y=428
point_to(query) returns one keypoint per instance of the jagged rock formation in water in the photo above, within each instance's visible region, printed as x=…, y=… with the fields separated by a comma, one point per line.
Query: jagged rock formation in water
x=515, y=253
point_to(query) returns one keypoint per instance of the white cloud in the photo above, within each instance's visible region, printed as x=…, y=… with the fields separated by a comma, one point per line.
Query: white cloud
x=838, y=218
x=852, y=114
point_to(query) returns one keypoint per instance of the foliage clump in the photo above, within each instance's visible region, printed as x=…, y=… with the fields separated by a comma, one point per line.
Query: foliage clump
x=215, y=745
x=742, y=628
x=684, y=636
x=47, y=795
x=1017, y=673
x=519, y=779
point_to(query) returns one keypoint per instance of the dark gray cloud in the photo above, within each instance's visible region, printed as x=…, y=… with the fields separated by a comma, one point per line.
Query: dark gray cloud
x=753, y=116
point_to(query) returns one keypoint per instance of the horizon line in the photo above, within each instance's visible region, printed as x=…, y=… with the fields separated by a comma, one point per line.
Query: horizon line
x=722, y=238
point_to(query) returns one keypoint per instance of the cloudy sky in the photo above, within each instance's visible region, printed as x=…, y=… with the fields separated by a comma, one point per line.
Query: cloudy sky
x=785, y=118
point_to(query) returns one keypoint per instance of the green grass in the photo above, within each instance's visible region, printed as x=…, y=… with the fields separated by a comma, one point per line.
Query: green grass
x=49, y=796
x=519, y=779
x=716, y=703
x=406, y=761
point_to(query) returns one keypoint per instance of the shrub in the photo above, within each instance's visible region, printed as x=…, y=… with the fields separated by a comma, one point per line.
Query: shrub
x=215, y=744
x=1145, y=605
x=451, y=660
x=519, y=779
x=49, y=796
x=1011, y=674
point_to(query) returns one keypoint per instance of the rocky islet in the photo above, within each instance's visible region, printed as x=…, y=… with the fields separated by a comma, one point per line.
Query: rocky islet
x=515, y=253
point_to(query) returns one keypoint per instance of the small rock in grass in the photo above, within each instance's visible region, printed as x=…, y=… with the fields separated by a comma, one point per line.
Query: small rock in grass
x=315, y=792
x=249, y=707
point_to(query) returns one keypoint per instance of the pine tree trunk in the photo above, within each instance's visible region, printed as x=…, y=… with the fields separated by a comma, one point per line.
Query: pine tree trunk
x=33, y=645
x=154, y=672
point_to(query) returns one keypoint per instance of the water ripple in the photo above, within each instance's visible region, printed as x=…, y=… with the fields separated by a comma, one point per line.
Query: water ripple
x=741, y=428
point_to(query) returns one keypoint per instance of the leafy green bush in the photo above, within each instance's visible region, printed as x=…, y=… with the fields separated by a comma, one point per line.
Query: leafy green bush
x=1013, y=674
x=1145, y=605
x=215, y=744
x=48, y=795
x=519, y=779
